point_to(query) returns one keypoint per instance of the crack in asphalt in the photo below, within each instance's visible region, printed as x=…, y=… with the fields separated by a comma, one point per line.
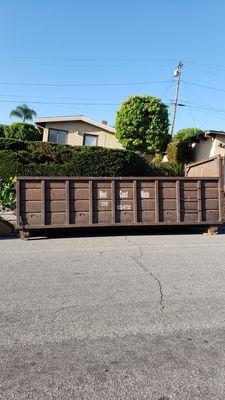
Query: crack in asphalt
x=138, y=261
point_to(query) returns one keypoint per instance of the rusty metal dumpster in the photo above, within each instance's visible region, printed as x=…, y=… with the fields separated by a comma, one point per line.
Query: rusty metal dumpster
x=70, y=202
x=213, y=166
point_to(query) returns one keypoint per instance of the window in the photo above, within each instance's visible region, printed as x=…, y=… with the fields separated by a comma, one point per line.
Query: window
x=90, y=140
x=57, y=136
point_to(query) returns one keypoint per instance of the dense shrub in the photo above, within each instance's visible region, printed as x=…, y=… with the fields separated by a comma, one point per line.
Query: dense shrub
x=11, y=144
x=157, y=159
x=174, y=168
x=51, y=159
x=2, y=131
x=37, y=158
x=7, y=192
x=179, y=152
x=21, y=131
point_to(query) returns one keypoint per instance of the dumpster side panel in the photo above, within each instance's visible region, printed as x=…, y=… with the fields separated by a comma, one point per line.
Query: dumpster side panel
x=44, y=202
x=204, y=168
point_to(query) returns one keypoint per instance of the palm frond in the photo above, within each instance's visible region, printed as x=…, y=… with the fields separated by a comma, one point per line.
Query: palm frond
x=24, y=112
x=16, y=113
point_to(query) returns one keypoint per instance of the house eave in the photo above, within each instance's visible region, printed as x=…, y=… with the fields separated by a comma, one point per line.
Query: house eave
x=43, y=120
x=213, y=134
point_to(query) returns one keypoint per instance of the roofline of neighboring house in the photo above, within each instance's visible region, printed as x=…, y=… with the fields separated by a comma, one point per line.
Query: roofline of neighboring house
x=43, y=120
x=205, y=135
x=214, y=133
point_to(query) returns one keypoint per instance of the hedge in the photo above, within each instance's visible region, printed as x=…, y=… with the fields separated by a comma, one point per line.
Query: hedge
x=46, y=159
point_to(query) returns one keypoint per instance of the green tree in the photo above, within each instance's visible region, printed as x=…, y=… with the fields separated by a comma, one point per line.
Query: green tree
x=187, y=134
x=23, y=112
x=142, y=124
x=21, y=131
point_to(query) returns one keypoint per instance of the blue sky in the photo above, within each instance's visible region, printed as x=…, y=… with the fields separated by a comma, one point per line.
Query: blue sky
x=76, y=43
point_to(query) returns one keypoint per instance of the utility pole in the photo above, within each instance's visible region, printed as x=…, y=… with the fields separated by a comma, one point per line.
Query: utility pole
x=177, y=74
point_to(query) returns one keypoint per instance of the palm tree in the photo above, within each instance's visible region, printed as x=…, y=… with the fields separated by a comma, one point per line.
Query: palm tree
x=23, y=112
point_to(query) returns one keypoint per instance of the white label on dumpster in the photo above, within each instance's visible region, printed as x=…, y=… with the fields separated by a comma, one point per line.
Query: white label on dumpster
x=102, y=195
x=144, y=194
x=121, y=207
x=104, y=203
x=123, y=195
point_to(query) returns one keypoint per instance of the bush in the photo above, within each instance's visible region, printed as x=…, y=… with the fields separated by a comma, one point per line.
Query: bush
x=37, y=158
x=12, y=144
x=157, y=159
x=52, y=159
x=7, y=192
x=179, y=152
x=21, y=131
x=2, y=131
x=174, y=168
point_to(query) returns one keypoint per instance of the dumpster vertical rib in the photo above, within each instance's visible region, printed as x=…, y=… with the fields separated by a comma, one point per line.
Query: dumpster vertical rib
x=178, y=199
x=199, y=194
x=67, y=188
x=135, y=217
x=113, y=201
x=90, y=202
x=156, y=201
x=221, y=188
x=43, y=207
x=18, y=197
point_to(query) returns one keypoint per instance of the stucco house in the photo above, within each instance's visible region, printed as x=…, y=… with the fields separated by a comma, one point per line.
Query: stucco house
x=77, y=130
x=209, y=144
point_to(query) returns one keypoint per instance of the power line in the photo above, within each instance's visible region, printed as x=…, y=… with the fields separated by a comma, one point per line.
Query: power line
x=66, y=103
x=191, y=113
x=204, y=107
x=212, y=68
x=203, y=86
x=207, y=112
x=83, y=84
x=49, y=97
x=167, y=88
x=184, y=102
x=56, y=58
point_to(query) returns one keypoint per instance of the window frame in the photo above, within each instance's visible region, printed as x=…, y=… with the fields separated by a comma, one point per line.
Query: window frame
x=90, y=134
x=58, y=130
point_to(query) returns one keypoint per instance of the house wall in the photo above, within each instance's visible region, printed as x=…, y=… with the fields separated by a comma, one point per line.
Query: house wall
x=209, y=148
x=203, y=149
x=76, y=131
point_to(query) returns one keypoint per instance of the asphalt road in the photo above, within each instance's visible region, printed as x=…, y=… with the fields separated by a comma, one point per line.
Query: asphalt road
x=99, y=318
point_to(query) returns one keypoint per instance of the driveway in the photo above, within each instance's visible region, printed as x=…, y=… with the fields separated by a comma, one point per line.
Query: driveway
x=121, y=317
